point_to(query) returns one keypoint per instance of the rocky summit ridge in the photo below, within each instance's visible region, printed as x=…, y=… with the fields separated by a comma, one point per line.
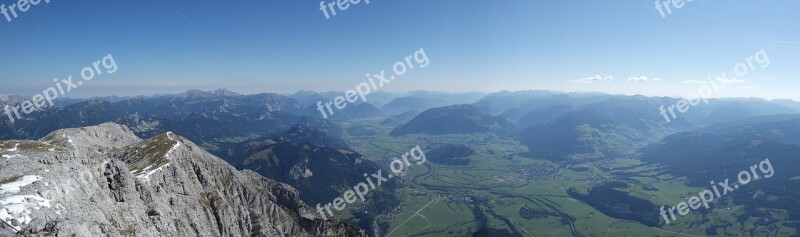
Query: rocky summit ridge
x=104, y=181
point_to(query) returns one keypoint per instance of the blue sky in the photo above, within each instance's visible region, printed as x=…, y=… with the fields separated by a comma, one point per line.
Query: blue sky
x=284, y=46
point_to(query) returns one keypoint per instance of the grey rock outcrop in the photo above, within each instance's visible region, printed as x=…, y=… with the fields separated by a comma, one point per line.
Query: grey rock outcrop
x=105, y=181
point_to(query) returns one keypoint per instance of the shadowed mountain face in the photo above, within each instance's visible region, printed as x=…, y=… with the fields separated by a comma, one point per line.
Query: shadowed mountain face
x=400, y=118
x=352, y=111
x=727, y=111
x=105, y=181
x=458, y=119
x=727, y=145
x=543, y=116
x=607, y=199
x=722, y=151
x=319, y=166
x=451, y=154
x=364, y=110
x=781, y=128
x=423, y=100
x=316, y=164
x=405, y=104
x=503, y=101
x=300, y=135
x=610, y=128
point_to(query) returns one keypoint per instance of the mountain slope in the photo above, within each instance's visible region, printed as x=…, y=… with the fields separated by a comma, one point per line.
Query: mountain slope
x=405, y=104
x=310, y=160
x=723, y=151
x=319, y=166
x=452, y=119
x=782, y=128
x=104, y=181
x=613, y=127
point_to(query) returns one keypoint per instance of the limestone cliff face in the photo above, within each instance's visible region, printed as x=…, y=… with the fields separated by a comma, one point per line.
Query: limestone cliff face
x=105, y=181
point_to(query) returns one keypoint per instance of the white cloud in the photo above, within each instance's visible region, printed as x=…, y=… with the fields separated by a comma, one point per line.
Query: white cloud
x=643, y=79
x=730, y=81
x=695, y=82
x=594, y=79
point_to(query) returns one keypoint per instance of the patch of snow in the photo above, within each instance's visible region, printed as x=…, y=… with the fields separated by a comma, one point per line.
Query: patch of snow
x=174, y=147
x=15, y=186
x=177, y=145
x=60, y=208
x=16, y=210
x=69, y=139
x=11, y=156
x=148, y=171
x=14, y=149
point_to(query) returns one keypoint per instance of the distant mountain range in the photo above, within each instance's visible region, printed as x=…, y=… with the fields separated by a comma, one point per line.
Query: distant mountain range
x=283, y=138
x=207, y=118
x=564, y=126
x=555, y=125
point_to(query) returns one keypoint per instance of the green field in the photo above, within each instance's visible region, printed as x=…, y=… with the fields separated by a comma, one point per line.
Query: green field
x=490, y=193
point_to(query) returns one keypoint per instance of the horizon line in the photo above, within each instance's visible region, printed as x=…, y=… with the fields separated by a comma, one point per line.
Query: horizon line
x=558, y=92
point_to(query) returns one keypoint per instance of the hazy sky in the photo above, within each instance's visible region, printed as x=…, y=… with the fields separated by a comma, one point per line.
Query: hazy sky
x=283, y=46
